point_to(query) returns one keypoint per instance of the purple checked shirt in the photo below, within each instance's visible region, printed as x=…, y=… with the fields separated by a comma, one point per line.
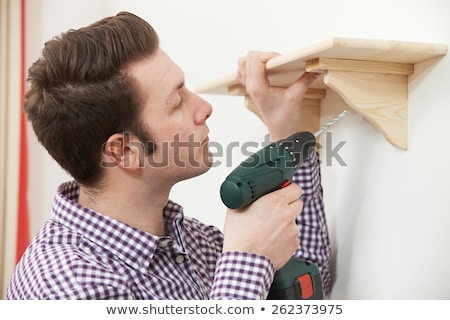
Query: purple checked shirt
x=82, y=254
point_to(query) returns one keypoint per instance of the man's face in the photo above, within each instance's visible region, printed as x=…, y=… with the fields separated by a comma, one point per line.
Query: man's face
x=174, y=117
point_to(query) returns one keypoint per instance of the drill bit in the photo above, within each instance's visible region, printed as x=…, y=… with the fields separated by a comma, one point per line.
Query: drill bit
x=330, y=123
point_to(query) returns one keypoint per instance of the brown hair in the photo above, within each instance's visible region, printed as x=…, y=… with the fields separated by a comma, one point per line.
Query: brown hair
x=79, y=93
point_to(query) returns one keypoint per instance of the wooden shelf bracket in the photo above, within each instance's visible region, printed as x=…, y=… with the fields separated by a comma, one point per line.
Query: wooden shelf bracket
x=376, y=90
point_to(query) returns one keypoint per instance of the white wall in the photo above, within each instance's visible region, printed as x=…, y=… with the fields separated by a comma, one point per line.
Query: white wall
x=388, y=209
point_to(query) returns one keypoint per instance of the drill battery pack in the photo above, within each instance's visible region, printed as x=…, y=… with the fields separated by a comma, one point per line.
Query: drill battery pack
x=297, y=280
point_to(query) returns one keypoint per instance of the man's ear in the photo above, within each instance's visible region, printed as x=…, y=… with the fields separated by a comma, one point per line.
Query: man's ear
x=123, y=150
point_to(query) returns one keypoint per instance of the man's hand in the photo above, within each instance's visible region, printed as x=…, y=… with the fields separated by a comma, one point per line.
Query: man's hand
x=279, y=107
x=267, y=226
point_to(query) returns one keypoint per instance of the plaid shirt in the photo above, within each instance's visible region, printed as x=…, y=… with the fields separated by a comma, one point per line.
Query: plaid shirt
x=82, y=254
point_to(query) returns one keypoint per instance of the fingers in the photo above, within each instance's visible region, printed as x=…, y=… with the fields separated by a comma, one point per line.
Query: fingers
x=290, y=195
x=266, y=227
x=252, y=69
x=252, y=72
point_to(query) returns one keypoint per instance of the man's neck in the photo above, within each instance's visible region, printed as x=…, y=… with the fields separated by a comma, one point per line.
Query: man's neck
x=132, y=204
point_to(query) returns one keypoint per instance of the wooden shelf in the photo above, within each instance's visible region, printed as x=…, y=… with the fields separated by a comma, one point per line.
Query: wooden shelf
x=370, y=75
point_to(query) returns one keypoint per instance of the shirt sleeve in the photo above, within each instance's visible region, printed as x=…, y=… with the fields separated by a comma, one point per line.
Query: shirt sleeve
x=242, y=276
x=314, y=237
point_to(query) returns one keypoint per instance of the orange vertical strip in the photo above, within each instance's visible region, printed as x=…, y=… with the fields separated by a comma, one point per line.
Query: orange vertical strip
x=23, y=228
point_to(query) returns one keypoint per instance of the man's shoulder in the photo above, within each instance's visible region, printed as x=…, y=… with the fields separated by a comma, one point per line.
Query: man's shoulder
x=57, y=263
x=54, y=246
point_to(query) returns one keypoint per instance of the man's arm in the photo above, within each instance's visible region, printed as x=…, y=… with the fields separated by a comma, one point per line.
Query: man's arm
x=242, y=276
x=279, y=109
x=314, y=238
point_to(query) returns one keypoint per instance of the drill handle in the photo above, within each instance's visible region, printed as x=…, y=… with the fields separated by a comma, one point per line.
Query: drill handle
x=297, y=280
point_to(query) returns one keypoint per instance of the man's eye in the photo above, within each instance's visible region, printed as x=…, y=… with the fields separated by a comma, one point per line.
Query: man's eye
x=180, y=103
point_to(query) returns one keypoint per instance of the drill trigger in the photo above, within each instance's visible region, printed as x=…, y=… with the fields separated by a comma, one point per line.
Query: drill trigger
x=286, y=183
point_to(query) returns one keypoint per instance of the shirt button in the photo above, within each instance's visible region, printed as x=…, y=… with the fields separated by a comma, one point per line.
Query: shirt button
x=179, y=259
x=163, y=244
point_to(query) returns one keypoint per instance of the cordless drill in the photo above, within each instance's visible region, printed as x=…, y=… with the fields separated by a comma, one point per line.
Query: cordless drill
x=267, y=170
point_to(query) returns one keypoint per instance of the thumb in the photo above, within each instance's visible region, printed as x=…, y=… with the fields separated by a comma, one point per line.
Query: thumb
x=302, y=84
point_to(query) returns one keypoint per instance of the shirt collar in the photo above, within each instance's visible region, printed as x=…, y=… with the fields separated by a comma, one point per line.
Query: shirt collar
x=129, y=244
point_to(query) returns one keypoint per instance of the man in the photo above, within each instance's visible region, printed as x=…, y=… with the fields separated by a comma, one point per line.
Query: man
x=109, y=105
